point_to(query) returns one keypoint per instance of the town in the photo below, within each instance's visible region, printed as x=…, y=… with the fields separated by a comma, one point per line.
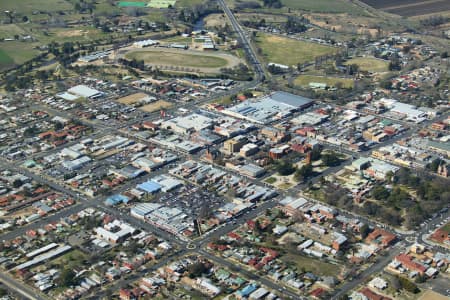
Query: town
x=200, y=149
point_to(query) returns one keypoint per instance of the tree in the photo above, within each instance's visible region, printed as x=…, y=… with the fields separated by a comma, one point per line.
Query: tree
x=67, y=278
x=364, y=230
x=285, y=168
x=196, y=269
x=24, y=19
x=380, y=192
x=17, y=183
x=316, y=153
x=330, y=159
x=304, y=172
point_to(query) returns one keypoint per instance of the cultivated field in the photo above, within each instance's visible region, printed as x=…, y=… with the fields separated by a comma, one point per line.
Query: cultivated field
x=304, y=80
x=286, y=51
x=410, y=8
x=131, y=99
x=205, y=62
x=327, y=6
x=369, y=64
x=155, y=106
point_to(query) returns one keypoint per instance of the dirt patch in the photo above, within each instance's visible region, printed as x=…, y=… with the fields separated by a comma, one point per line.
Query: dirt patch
x=152, y=107
x=71, y=33
x=430, y=295
x=131, y=99
x=214, y=20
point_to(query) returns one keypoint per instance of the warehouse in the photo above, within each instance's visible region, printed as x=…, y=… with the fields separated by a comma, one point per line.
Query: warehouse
x=266, y=109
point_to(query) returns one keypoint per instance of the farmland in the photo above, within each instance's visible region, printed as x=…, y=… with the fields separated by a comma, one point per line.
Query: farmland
x=409, y=8
x=13, y=52
x=324, y=6
x=287, y=51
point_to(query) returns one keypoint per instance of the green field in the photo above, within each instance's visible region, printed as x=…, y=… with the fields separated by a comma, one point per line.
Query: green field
x=288, y=51
x=369, y=64
x=178, y=59
x=325, y=6
x=15, y=53
x=161, y=3
x=28, y=6
x=310, y=264
x=5, y=60
x=132, y=4
x=304, y=80
x=188, y=3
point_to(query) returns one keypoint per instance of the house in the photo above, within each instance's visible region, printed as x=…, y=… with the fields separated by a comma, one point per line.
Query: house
x=407, y=262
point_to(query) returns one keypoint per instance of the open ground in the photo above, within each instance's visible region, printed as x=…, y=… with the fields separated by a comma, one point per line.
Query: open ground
x=305, y=80
x=155, y=106
x=286, y=51
x=408, y=8
x=131, y=99
x=205, y=61
x=369, y=64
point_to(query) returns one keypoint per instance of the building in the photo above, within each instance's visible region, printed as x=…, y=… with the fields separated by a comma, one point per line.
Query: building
x=408, y=263
x=263, y=110
x=115, y=231
x=234, y=144
x=188, y=124
x=85, y=91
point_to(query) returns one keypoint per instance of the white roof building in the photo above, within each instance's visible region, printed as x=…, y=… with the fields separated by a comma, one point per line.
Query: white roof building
x=84, y=91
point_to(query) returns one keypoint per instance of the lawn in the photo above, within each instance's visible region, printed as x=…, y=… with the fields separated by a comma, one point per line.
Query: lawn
x=369, y=64
x=8, y=31
x=324, y=6
x=178, y=59
x=288, y=51
x=304, y=80
x=188, y=3
x=15, y=53
x=313, y=265
x=446, y=228
x=26, y=7
x=5, y=60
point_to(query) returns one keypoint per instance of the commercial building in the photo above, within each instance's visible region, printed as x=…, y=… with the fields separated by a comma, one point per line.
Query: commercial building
x=269, y=108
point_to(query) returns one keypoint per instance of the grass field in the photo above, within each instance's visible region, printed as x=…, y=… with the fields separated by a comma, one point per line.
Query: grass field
x=155, y=106
x=369, y=64
x=313, y=265
x=5, y=60
x=28, y=6
x=304, y=80
x=178, y=59
x=327, y=6
x=161, y=3
x=15, y=53
x=288, y=51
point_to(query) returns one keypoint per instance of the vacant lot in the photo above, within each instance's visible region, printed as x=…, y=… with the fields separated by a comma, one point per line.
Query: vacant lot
x=304, y=80
x=430, y=295
x=288, y=51
x=131, y=99
x=369, y=64
x=155, y=106
x=410, y=8
x=327, y=6
x=310, y=264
